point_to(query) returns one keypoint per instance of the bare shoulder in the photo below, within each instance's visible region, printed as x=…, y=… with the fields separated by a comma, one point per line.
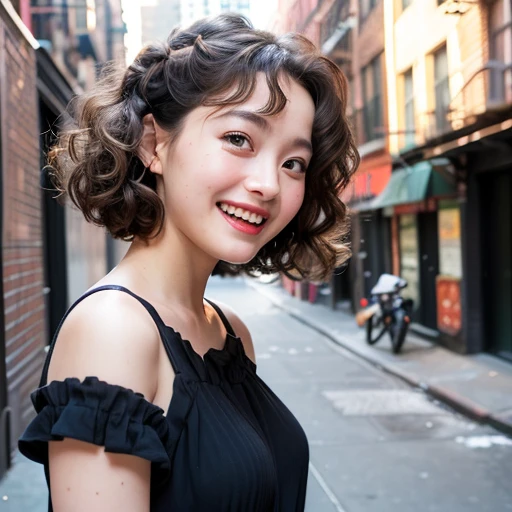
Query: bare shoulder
x=240, y=329
x=109, y=335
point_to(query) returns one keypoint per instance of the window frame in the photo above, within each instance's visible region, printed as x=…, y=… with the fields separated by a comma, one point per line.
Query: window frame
x=409, y=104
x=373, y=114
x=441, y=84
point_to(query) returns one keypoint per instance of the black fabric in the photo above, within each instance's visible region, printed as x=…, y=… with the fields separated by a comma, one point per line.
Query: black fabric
x=226, y=442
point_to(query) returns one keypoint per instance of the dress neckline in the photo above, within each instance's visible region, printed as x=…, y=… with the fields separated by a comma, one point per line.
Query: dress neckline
x=229, y=363
x=212, y=350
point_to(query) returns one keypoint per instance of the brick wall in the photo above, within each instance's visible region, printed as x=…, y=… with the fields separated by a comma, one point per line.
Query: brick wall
x=22, y=244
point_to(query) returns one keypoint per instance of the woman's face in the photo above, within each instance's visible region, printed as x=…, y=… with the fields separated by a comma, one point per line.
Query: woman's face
x=233, y=179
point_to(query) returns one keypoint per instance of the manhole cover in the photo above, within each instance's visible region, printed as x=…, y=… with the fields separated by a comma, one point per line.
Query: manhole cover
x=380, y=402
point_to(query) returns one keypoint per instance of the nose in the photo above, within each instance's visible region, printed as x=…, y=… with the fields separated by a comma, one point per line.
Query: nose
x=264, y=182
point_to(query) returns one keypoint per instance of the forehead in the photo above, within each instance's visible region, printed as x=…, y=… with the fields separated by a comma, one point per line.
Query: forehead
x=296, y=118
x=298, y=110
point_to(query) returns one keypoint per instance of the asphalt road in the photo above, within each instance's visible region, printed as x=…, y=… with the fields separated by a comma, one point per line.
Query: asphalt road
x=376, y=444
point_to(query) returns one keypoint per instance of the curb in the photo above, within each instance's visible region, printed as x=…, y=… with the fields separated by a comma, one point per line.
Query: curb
x=457, y=402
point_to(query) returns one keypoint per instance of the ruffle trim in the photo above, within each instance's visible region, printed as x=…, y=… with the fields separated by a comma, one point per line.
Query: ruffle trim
x=229, y=363
x=103, y=414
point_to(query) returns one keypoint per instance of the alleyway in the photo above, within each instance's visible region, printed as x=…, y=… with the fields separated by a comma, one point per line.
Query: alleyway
x=376, y=444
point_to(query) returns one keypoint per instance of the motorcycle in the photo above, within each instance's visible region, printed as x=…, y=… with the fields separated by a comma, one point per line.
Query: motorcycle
x=387, y=311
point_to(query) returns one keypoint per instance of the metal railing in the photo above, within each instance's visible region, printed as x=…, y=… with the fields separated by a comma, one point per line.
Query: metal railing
x=338, y=13
x=487, y=90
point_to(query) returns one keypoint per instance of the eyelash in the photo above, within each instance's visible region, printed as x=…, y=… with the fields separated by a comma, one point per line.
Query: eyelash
x=230, y=135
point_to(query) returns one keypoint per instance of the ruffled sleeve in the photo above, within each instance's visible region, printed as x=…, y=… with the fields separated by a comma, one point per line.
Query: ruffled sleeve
x=102, y=414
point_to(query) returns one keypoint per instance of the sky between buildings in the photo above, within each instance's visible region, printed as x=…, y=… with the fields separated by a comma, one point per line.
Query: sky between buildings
x=148, y=20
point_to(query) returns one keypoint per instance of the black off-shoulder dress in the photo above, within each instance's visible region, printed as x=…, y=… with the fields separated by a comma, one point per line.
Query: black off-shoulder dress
x=226, y=443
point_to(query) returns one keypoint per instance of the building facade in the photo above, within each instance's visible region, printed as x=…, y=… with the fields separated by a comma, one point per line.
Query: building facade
x=352, y=35
x=49, y=51
x=430, y=102
x=451, y=94
x=365, y=67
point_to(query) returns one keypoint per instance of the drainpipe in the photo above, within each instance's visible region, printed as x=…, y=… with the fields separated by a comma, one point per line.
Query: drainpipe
x=5, y=449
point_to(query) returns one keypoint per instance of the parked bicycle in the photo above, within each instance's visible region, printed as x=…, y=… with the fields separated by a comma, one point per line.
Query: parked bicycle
x=386, y=311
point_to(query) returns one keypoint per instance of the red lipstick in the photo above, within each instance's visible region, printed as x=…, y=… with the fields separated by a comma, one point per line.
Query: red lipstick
x=242, y=225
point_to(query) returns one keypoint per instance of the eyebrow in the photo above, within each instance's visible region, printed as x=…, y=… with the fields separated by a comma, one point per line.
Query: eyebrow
x=247, y=115
x=264, y=125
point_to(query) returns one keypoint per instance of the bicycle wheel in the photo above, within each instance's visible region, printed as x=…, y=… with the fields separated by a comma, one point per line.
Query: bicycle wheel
x=398, y=330
x=372, y=326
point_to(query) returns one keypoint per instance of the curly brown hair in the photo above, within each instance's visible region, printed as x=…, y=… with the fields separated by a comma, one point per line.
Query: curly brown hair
x=212, y=63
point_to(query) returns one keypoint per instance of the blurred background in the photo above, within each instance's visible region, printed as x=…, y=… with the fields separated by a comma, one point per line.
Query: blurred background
x=430, y=103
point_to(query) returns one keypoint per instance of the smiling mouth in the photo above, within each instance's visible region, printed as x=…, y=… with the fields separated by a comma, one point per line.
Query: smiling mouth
x=239, y=214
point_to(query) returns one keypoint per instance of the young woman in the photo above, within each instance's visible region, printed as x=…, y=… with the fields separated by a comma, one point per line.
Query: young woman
x=225, y=144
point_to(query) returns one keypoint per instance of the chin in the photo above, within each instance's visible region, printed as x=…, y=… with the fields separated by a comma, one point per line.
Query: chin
x=236, y=256
x=237, y=260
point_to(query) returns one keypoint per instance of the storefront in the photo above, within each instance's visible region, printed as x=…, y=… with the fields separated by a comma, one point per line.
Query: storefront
x=487, y=246
x=420, y=201
x=370, y=228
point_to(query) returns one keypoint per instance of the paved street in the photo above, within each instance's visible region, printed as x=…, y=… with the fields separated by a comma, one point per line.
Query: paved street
x=376, y=444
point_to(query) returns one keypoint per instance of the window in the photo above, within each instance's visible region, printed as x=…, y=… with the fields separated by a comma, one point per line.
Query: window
x=442, y=90
x=372, y=97
x=365, y=7
x=409, y=119
x=81, y=16
x=497, y=30
x=500, y=54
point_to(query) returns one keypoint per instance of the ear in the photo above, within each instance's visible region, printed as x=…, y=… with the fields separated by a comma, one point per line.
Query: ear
x=147, y=148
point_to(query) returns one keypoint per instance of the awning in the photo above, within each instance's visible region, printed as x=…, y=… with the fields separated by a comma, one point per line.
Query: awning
x=417, y=182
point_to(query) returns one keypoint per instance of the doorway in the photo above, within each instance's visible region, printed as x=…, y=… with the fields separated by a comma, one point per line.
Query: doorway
x=54, y=229
x=428, y=267
x=496, y=190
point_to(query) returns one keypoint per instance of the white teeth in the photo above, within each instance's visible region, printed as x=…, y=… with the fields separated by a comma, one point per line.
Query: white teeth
x=246, y=215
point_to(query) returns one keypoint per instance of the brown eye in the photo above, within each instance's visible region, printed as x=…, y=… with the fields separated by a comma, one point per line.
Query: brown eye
x=295, y=165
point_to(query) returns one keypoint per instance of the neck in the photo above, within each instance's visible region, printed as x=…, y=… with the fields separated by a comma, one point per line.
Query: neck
x=171, y=268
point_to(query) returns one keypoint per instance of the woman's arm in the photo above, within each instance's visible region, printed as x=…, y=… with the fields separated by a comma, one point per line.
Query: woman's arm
x=109, y=335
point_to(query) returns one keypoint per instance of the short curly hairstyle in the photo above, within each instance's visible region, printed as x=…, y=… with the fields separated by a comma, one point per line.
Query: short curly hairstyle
x=214, y=62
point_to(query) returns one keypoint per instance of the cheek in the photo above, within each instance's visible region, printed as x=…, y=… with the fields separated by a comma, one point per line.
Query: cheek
x=292, y=202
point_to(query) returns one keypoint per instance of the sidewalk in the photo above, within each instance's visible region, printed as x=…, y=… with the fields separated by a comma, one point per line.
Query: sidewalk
x=478, y=386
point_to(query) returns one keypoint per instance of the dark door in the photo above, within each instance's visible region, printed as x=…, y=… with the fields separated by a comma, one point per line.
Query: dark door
x=376, y=247
x=54, y=241
x=429, y=267
x=497, y=261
